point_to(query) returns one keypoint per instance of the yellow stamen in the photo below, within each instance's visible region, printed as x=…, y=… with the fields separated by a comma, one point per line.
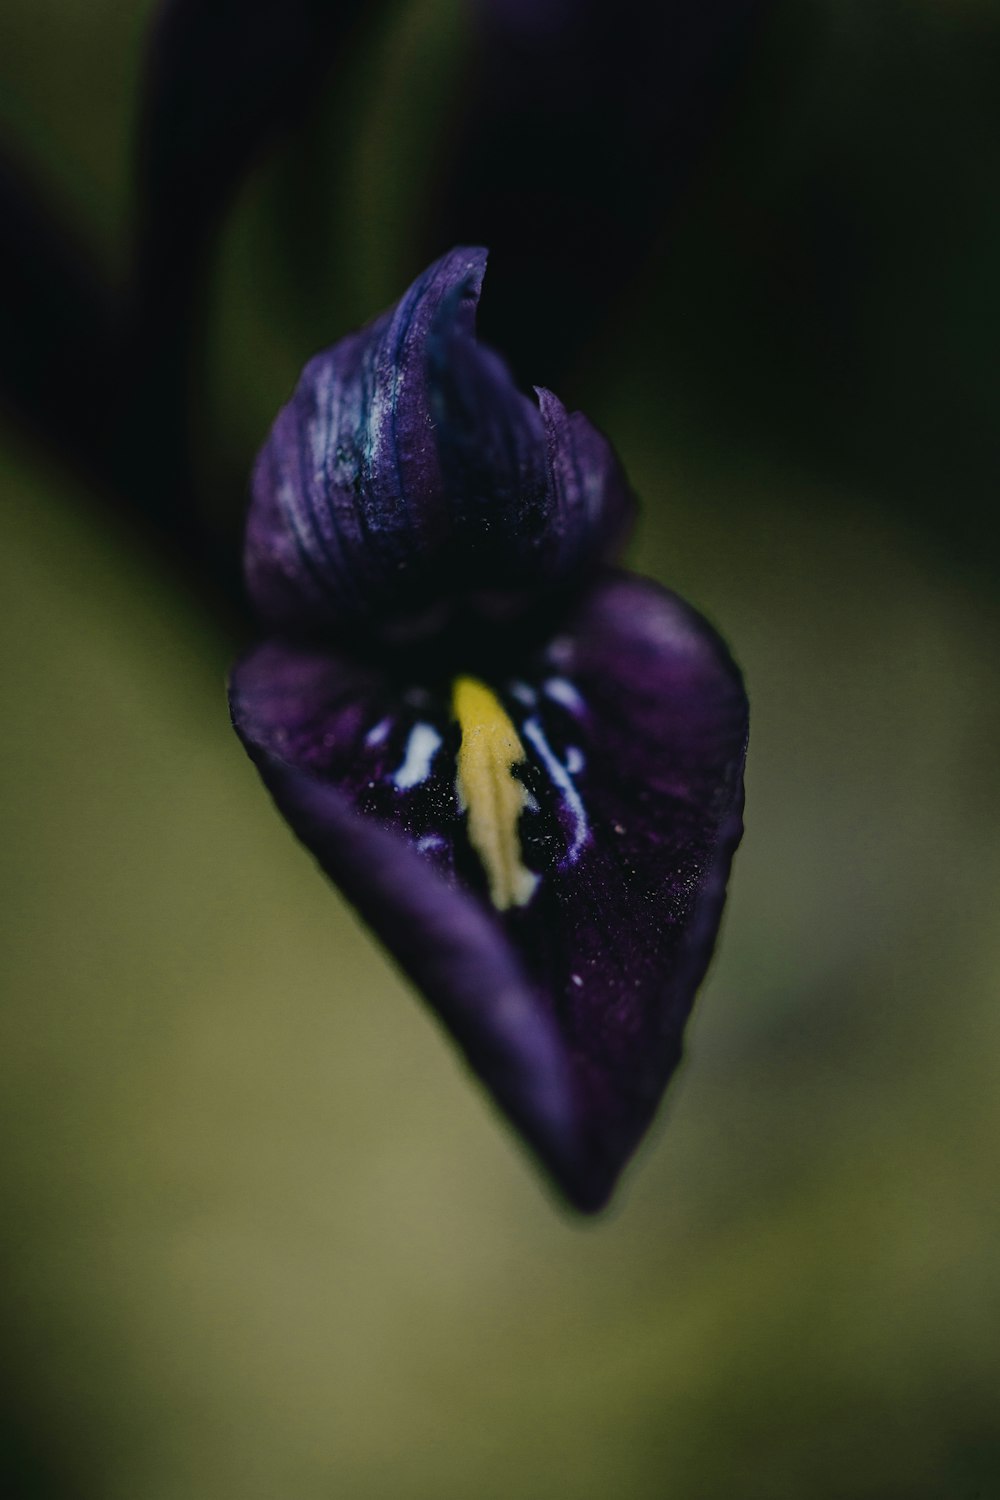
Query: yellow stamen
x=488, y=789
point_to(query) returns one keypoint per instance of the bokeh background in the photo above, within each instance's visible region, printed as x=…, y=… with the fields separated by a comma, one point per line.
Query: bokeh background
x=260, y=1234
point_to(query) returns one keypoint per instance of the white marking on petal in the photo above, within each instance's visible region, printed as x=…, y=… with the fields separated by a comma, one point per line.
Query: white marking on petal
x=561, y=779
x=523, y=693
x=562, y=691
x=430, y=843
x=574, y=760
x=378, y=735
x=421, y=747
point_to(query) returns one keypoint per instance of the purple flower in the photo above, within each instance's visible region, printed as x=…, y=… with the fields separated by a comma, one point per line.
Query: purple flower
x=523, y=766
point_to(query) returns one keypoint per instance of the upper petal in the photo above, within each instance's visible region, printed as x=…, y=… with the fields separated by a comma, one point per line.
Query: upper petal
x=409, y=478
x=569, y=999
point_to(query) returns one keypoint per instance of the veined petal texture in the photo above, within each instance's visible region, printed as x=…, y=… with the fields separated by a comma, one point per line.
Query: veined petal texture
x=409, y=479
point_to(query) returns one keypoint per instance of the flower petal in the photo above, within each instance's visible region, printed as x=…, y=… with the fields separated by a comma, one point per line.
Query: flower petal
x=349, y=762
x=408, y=478
x=570, y=997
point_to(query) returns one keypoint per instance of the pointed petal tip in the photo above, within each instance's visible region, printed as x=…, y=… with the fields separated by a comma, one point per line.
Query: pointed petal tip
x=455, y=280
x=470, y=259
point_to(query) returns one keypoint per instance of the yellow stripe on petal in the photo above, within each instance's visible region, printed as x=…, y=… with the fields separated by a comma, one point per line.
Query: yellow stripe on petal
x=489, y=791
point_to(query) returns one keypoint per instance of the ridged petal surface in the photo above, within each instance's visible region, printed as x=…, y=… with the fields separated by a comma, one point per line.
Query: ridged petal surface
x=409, y=479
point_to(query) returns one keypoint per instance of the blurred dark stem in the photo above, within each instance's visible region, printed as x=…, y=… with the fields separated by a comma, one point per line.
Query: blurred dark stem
x=57, y=314
x=114, y=384
x=581, y=130
x=224, y=82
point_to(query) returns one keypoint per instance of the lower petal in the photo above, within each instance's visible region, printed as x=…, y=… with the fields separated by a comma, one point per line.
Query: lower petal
x=567, y=968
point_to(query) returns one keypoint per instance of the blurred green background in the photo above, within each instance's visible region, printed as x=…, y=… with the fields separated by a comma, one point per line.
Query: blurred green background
x=261, y=1237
